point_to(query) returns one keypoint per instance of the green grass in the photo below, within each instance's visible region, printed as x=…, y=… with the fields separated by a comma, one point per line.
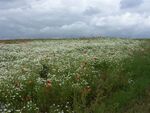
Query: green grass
x=75, y=76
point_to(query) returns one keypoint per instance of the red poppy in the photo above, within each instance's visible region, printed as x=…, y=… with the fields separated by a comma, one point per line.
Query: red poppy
x=48, y=81
x=95, y=58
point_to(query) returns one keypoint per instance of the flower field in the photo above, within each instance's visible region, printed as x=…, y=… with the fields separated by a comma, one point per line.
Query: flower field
x=73, y=75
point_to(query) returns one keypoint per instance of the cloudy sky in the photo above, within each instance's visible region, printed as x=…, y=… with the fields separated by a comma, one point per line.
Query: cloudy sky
x=74, y=18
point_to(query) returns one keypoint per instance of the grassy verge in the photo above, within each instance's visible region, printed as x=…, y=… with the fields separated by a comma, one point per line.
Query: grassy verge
x=137, y=70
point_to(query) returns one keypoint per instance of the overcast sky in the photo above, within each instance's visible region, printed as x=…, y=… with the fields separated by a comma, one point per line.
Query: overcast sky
x=74, y=18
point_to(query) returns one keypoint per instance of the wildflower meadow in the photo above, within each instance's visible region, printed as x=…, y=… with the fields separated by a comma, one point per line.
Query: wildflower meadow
x=100, y=75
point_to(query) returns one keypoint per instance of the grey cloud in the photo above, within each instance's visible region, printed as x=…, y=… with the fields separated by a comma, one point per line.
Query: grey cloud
x=8, y=4
x=8, y=0
x=130, y=3
x=91, y=11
